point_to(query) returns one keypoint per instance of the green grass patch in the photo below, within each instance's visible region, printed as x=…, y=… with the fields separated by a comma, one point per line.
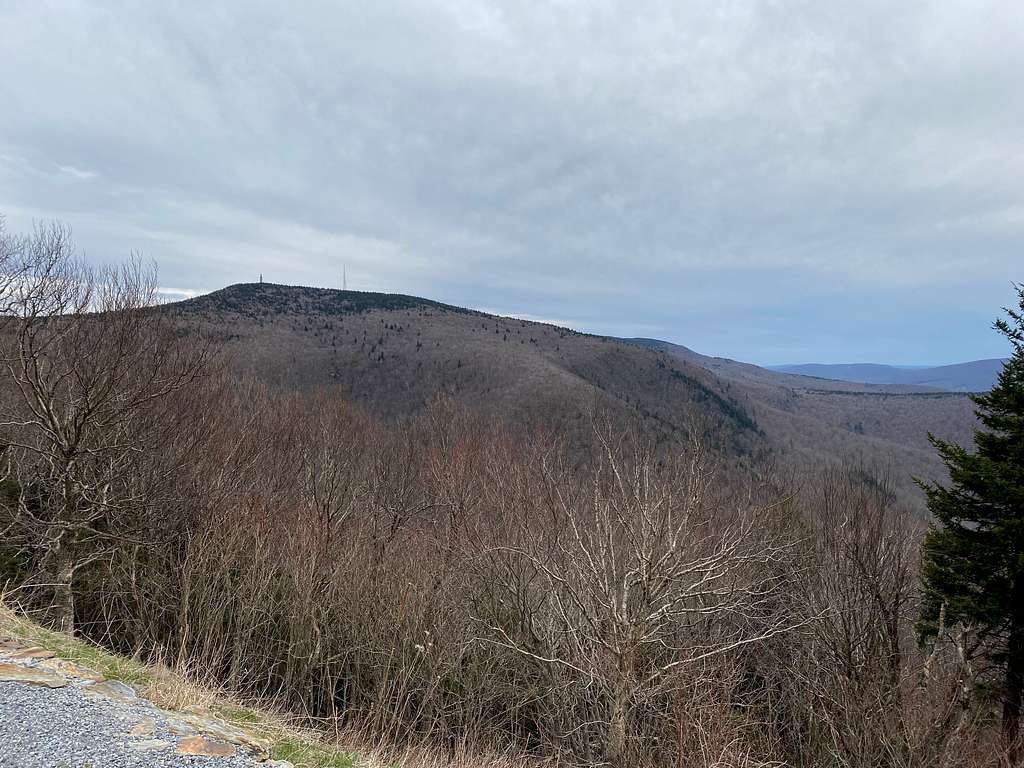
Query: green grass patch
x=242, y=716
x=305, y=754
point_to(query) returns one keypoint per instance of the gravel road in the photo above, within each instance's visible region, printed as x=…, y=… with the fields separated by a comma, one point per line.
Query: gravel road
x=64, y=727
x=44, y=727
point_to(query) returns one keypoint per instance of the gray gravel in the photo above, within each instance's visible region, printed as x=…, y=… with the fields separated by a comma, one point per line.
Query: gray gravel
x=63, y=728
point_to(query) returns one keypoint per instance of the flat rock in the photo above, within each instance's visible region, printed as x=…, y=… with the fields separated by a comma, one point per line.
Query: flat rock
x=219, y=729
x=144, y=729
x=150, y=745
x=17, y=673
x=197, y=745
x=112, y=689
x=33, y=652
x=178, y=727
x=70, y=669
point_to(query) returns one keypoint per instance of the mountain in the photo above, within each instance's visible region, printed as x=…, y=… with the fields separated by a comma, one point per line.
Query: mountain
x=394, y=353
x=973, y=376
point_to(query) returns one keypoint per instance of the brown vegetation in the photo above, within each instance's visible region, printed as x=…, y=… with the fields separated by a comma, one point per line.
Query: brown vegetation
x=88, y=367
x=394, y=354
x=457, y=579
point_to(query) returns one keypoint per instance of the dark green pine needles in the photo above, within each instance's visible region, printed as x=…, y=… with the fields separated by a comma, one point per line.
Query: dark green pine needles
x=973, y=560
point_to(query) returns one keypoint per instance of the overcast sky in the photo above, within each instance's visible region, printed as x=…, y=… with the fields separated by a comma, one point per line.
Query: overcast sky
x=769, y=181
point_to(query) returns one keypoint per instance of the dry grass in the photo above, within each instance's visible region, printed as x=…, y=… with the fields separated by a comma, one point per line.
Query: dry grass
x=419, y=757
x=183, y=690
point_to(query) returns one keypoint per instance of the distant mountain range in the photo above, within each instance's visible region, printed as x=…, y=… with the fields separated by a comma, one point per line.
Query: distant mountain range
x=973, y=376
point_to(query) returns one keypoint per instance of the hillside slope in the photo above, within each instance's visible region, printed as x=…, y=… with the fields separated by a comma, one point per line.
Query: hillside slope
x=885, y=427
x=394, y=353
x=897, y=413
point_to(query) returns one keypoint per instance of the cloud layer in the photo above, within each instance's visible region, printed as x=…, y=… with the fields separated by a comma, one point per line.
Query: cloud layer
x=772, y=181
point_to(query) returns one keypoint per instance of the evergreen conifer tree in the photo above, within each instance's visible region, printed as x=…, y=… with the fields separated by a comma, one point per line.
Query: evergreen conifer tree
x=973, y=560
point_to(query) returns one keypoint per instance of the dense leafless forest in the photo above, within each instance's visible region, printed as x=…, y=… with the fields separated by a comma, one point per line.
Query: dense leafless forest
x=577, y=592
x=393, y=355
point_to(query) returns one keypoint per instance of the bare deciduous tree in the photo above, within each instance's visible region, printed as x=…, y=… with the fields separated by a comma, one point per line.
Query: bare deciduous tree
x=637, y=574
x=88, y=357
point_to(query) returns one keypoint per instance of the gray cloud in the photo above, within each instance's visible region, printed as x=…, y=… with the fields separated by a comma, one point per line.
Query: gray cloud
x=775, y=182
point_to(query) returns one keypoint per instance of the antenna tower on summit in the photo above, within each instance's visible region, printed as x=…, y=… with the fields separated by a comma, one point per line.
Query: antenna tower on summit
x=344, y=278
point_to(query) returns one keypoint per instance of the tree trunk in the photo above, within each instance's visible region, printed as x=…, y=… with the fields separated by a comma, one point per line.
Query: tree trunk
x=55, y=580
x=61, y=561
x=59, y=613
x=616, y=746
x=1014, y=688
